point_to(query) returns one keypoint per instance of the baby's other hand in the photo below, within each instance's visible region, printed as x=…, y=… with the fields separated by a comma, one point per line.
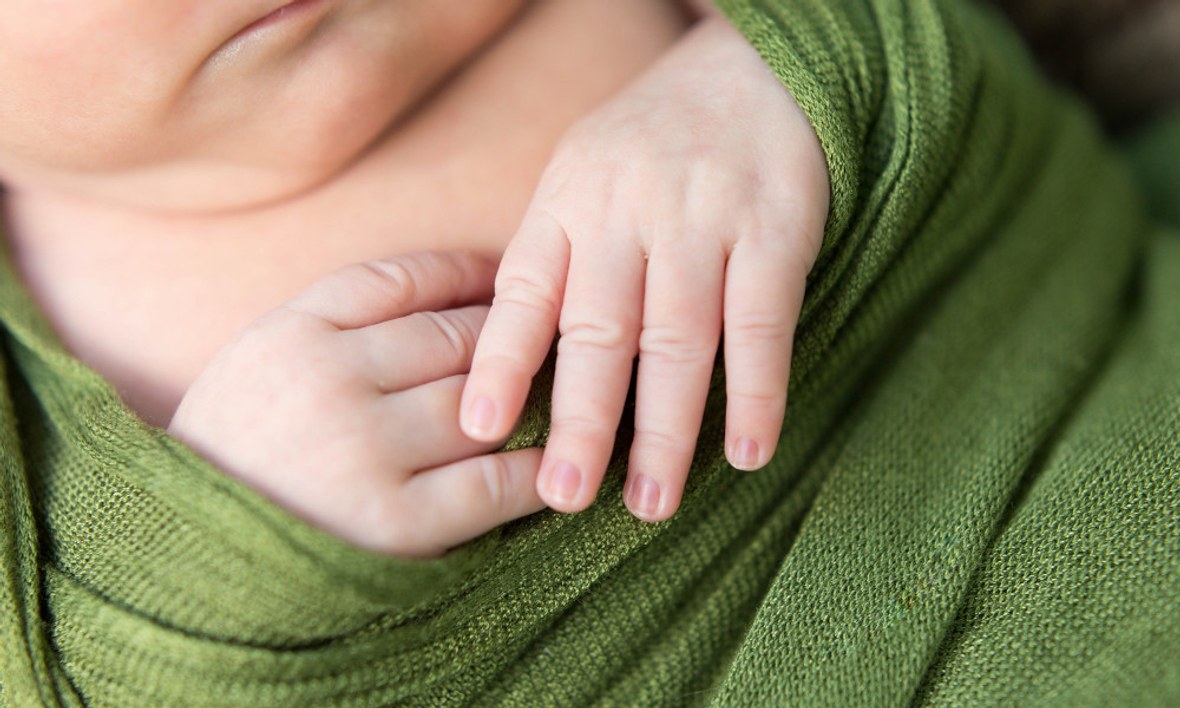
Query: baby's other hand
x=342, y=406
x=692, y=202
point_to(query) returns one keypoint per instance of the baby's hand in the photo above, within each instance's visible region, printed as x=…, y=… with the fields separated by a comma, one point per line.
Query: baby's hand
x=342, y=406
x=697, y=195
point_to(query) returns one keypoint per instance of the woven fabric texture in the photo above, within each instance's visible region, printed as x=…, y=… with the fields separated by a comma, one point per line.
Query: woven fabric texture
x=976, y=498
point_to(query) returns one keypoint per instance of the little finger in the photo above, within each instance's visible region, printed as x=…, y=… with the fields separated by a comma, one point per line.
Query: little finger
x=763, y=296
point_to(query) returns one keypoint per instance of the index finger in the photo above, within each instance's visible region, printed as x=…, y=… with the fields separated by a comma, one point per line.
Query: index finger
x=365, y=294
x=519, y=329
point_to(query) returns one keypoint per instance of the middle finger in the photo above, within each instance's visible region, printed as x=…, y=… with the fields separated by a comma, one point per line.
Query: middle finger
x=599, y=338
x=677, y=349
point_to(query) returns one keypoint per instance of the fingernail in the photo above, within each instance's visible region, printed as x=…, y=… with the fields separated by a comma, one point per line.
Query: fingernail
x=745, y=454
x=481, y=416
x=644, y=497
x=564, y=482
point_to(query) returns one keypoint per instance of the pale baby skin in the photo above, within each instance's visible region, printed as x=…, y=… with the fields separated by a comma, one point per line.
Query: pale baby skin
x=684, y=196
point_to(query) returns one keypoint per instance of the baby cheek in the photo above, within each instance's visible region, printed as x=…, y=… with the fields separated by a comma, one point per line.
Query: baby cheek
x=71, y=97
x=86, y=80
x=58, y=119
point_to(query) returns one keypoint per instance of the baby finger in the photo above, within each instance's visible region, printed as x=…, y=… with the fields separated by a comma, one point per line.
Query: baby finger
x=415, y=349
x=519, y=329
x=363, y=294
x=449, y=505
x=677, y=350
x=419, y=426
x=599, y=339
x=763, y=296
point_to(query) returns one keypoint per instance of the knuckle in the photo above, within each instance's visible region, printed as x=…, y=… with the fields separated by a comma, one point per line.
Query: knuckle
x=758, y=400
x=583, y=335
x=581, y=139
x=715, y=185
x=586, y=427
x=530, y=290
x=510, y=364
x=456, y=332
x=758, y=328
x=798, y=250
x=561, y=174
x=780, y=242
x=654, y=438
x=393, y=279
x=497, y=483
x=675, y=345
x=282, y=324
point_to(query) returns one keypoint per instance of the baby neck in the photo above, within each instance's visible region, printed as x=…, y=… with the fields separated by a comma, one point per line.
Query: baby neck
x=147, y=298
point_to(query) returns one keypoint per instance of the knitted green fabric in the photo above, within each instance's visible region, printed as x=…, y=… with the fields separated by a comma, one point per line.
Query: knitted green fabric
x=976, y=498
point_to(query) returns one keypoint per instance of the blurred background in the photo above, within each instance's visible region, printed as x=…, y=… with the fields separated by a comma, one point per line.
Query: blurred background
x=1122, y=55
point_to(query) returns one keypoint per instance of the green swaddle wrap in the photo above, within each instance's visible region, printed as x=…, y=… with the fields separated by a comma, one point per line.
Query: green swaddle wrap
x=976, y=498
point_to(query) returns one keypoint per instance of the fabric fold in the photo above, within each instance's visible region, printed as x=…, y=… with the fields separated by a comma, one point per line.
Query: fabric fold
x=974, y=499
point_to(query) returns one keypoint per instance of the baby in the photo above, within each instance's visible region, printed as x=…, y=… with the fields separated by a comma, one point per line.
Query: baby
x=155, y=147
